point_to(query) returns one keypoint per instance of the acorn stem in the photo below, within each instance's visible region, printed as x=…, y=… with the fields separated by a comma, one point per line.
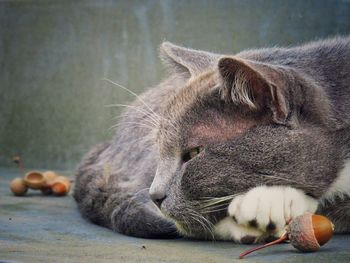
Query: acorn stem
x=17, y=160
x=277, y=241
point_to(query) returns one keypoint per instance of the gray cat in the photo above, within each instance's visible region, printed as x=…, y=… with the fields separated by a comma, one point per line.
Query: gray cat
x=228, y=147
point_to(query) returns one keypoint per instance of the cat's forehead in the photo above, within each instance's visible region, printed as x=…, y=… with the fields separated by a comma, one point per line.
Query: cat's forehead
x=192, y=93
x=177, y=115
x=197, y=115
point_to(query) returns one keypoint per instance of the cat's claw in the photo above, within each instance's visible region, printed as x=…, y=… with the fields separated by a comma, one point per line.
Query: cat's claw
x=270, y=208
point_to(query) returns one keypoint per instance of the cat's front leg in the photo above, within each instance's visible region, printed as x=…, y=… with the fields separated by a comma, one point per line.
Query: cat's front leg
x=139, y=216
x=270, y=208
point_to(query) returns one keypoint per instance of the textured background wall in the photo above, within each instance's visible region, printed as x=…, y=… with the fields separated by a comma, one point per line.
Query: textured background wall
x=53, y=55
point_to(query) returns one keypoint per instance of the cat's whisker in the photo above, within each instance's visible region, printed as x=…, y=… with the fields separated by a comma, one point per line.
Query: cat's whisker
x=214, y=203
x=208, y=225
x=172, y=124
x=187, y=225
x=171, y=133
x=217, y=205
x=217, y=201
x=154, y=117
x=287, y=180
x=135, y=125
x=204, y=226
x=194, y=217
x=138, y=108
x=124, y=116
x=141, y=124
x=214, y=210
x=149, y=122
x=198, y=215
x=147, y=114
x=141, y=119
x=133, y=93
x=218, y=198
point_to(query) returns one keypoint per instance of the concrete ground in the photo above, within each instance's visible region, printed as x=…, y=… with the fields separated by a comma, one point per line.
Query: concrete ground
x=37, y=228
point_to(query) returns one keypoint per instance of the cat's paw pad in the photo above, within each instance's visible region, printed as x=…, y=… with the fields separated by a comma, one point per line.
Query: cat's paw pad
x=270, y=208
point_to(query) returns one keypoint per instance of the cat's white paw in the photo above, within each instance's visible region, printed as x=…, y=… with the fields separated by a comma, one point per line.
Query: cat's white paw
x=270, y=208
x=228, y=229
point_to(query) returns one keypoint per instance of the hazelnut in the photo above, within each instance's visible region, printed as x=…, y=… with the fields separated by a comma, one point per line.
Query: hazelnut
x=18, y=187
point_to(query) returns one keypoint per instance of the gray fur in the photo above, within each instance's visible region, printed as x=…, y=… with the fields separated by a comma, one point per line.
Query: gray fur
x=296, y=133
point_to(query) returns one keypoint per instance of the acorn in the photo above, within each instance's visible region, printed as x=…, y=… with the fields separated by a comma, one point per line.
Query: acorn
x=18, y=187
x=309, y=232
x=60, y=185
x=34, y=180
x=306, y=233
x=49, y=177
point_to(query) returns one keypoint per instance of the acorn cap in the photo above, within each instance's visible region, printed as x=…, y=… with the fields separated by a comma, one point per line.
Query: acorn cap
x=34, y=180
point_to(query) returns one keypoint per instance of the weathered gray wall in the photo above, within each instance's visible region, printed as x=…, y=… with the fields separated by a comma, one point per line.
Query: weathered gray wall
x=53, y=55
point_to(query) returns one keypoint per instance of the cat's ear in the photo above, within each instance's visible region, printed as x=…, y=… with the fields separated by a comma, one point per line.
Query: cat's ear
x=253, y=85
x=186, y=61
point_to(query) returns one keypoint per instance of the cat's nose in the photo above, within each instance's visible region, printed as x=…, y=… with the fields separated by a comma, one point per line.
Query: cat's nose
x=157, y=198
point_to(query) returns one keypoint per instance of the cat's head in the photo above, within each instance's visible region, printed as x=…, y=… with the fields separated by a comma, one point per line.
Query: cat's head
x=236, y=123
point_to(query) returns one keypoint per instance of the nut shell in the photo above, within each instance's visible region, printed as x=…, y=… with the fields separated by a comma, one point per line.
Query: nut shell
x=34, y=180
x=18, y=187
x=323, y=229
x=60, y=186
x=49, y=177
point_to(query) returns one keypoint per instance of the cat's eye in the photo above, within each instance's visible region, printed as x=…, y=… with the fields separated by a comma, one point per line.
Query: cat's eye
x=188, y=155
